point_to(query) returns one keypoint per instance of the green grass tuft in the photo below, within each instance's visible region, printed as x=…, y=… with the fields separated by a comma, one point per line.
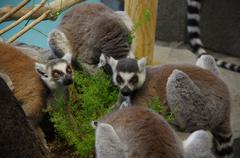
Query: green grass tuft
x=155, y=104
x=91, y=97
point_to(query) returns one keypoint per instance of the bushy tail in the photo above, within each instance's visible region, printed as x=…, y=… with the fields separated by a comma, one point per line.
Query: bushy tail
x=193, y=31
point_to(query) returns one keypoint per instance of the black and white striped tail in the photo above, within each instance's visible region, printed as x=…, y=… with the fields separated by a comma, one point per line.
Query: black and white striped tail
x=223, y=146
x=193, y=31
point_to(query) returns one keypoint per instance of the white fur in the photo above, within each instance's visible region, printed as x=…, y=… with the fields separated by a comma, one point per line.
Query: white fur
x=193, y=29
x=141, y=64
x=194, y=16
x=68, y=57
x=195, y=41
x=102, y=61
x=208, y=62
x=113, y=63
x=108, y=144
x=7, y=80
x=194, y=4
x=198, y=145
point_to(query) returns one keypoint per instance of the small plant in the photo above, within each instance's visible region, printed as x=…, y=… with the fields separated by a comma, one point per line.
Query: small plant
x=155, y=104
x=91, y=97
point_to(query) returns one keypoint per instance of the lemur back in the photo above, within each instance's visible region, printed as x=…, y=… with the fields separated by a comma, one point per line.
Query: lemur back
x=197, y=97
x=17, y=138
x=193, y=33
x=28, y=87
x=139, y=132
x=88, y=30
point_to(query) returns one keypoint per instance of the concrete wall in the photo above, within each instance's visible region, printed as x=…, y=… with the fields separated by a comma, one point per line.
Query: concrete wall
x=220, y=24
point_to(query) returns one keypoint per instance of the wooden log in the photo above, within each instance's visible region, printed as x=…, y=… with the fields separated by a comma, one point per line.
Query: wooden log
x=143, y=14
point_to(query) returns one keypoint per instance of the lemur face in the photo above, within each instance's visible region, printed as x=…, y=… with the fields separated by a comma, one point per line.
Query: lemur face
x=56, y=72
x=128, y=74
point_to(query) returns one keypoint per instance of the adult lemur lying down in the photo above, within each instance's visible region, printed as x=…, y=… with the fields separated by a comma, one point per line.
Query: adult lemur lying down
x=17, y=138
x=138, y=132
x=88, y=30
x=198, y=98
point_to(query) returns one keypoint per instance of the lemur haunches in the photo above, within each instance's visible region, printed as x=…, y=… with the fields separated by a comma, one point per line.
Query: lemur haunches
x=139, y=132
x=89, y=30
x=33, y=83
x=198, y=98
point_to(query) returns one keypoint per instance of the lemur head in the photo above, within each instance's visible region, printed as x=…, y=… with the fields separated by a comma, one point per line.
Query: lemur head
x=128, y=74
x=56, y=72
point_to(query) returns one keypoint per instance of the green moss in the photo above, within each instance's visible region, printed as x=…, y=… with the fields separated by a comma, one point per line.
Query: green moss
x=91, y=97
x=155, y=104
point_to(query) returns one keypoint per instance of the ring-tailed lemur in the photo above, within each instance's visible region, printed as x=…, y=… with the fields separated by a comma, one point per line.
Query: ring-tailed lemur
x=139, y=132
x=193, y=31
x=17, y=138
x=136, y=132
x=198, y=98
x=88, y=30
x=34, y=83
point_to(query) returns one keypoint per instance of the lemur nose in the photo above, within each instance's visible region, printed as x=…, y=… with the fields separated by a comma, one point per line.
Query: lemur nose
x=68, y=80
x=125, y=91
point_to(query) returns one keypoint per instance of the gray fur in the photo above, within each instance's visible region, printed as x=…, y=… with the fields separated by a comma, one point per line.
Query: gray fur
x=208, y=62
x=108, y=144
x=87, y=31
x=203, y=112
x=37, y=53
x=198, y=145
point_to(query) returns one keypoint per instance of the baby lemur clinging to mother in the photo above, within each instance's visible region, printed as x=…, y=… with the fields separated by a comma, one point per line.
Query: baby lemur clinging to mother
x=198, y=98
x=88, y=30
x=34, y=83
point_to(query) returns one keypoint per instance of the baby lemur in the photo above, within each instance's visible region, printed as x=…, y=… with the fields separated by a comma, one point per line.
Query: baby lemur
x=34, y=83
x=198, y=97
x=88, y=30
x=138, y=132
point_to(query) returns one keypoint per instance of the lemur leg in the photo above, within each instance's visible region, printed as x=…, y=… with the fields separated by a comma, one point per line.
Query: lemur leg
x=198, y=145
x=208, y=62
x=223, y=140
x=187, y=103
x=7, y=80
x=108, y=144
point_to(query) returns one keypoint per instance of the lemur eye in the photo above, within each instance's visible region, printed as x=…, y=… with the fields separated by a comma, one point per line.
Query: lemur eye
x=69, y=70
x=57, y=73
x=119, y=79
x=134, y=79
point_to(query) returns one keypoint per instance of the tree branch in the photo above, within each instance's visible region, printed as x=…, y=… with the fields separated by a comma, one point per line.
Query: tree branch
x=55, y=6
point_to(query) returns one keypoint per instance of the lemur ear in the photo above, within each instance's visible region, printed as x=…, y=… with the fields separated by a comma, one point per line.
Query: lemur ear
x=141, y=64
x=102, y=60
x=112, y=62
x=68, y=57
x=41, y=70
x=94, y=124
